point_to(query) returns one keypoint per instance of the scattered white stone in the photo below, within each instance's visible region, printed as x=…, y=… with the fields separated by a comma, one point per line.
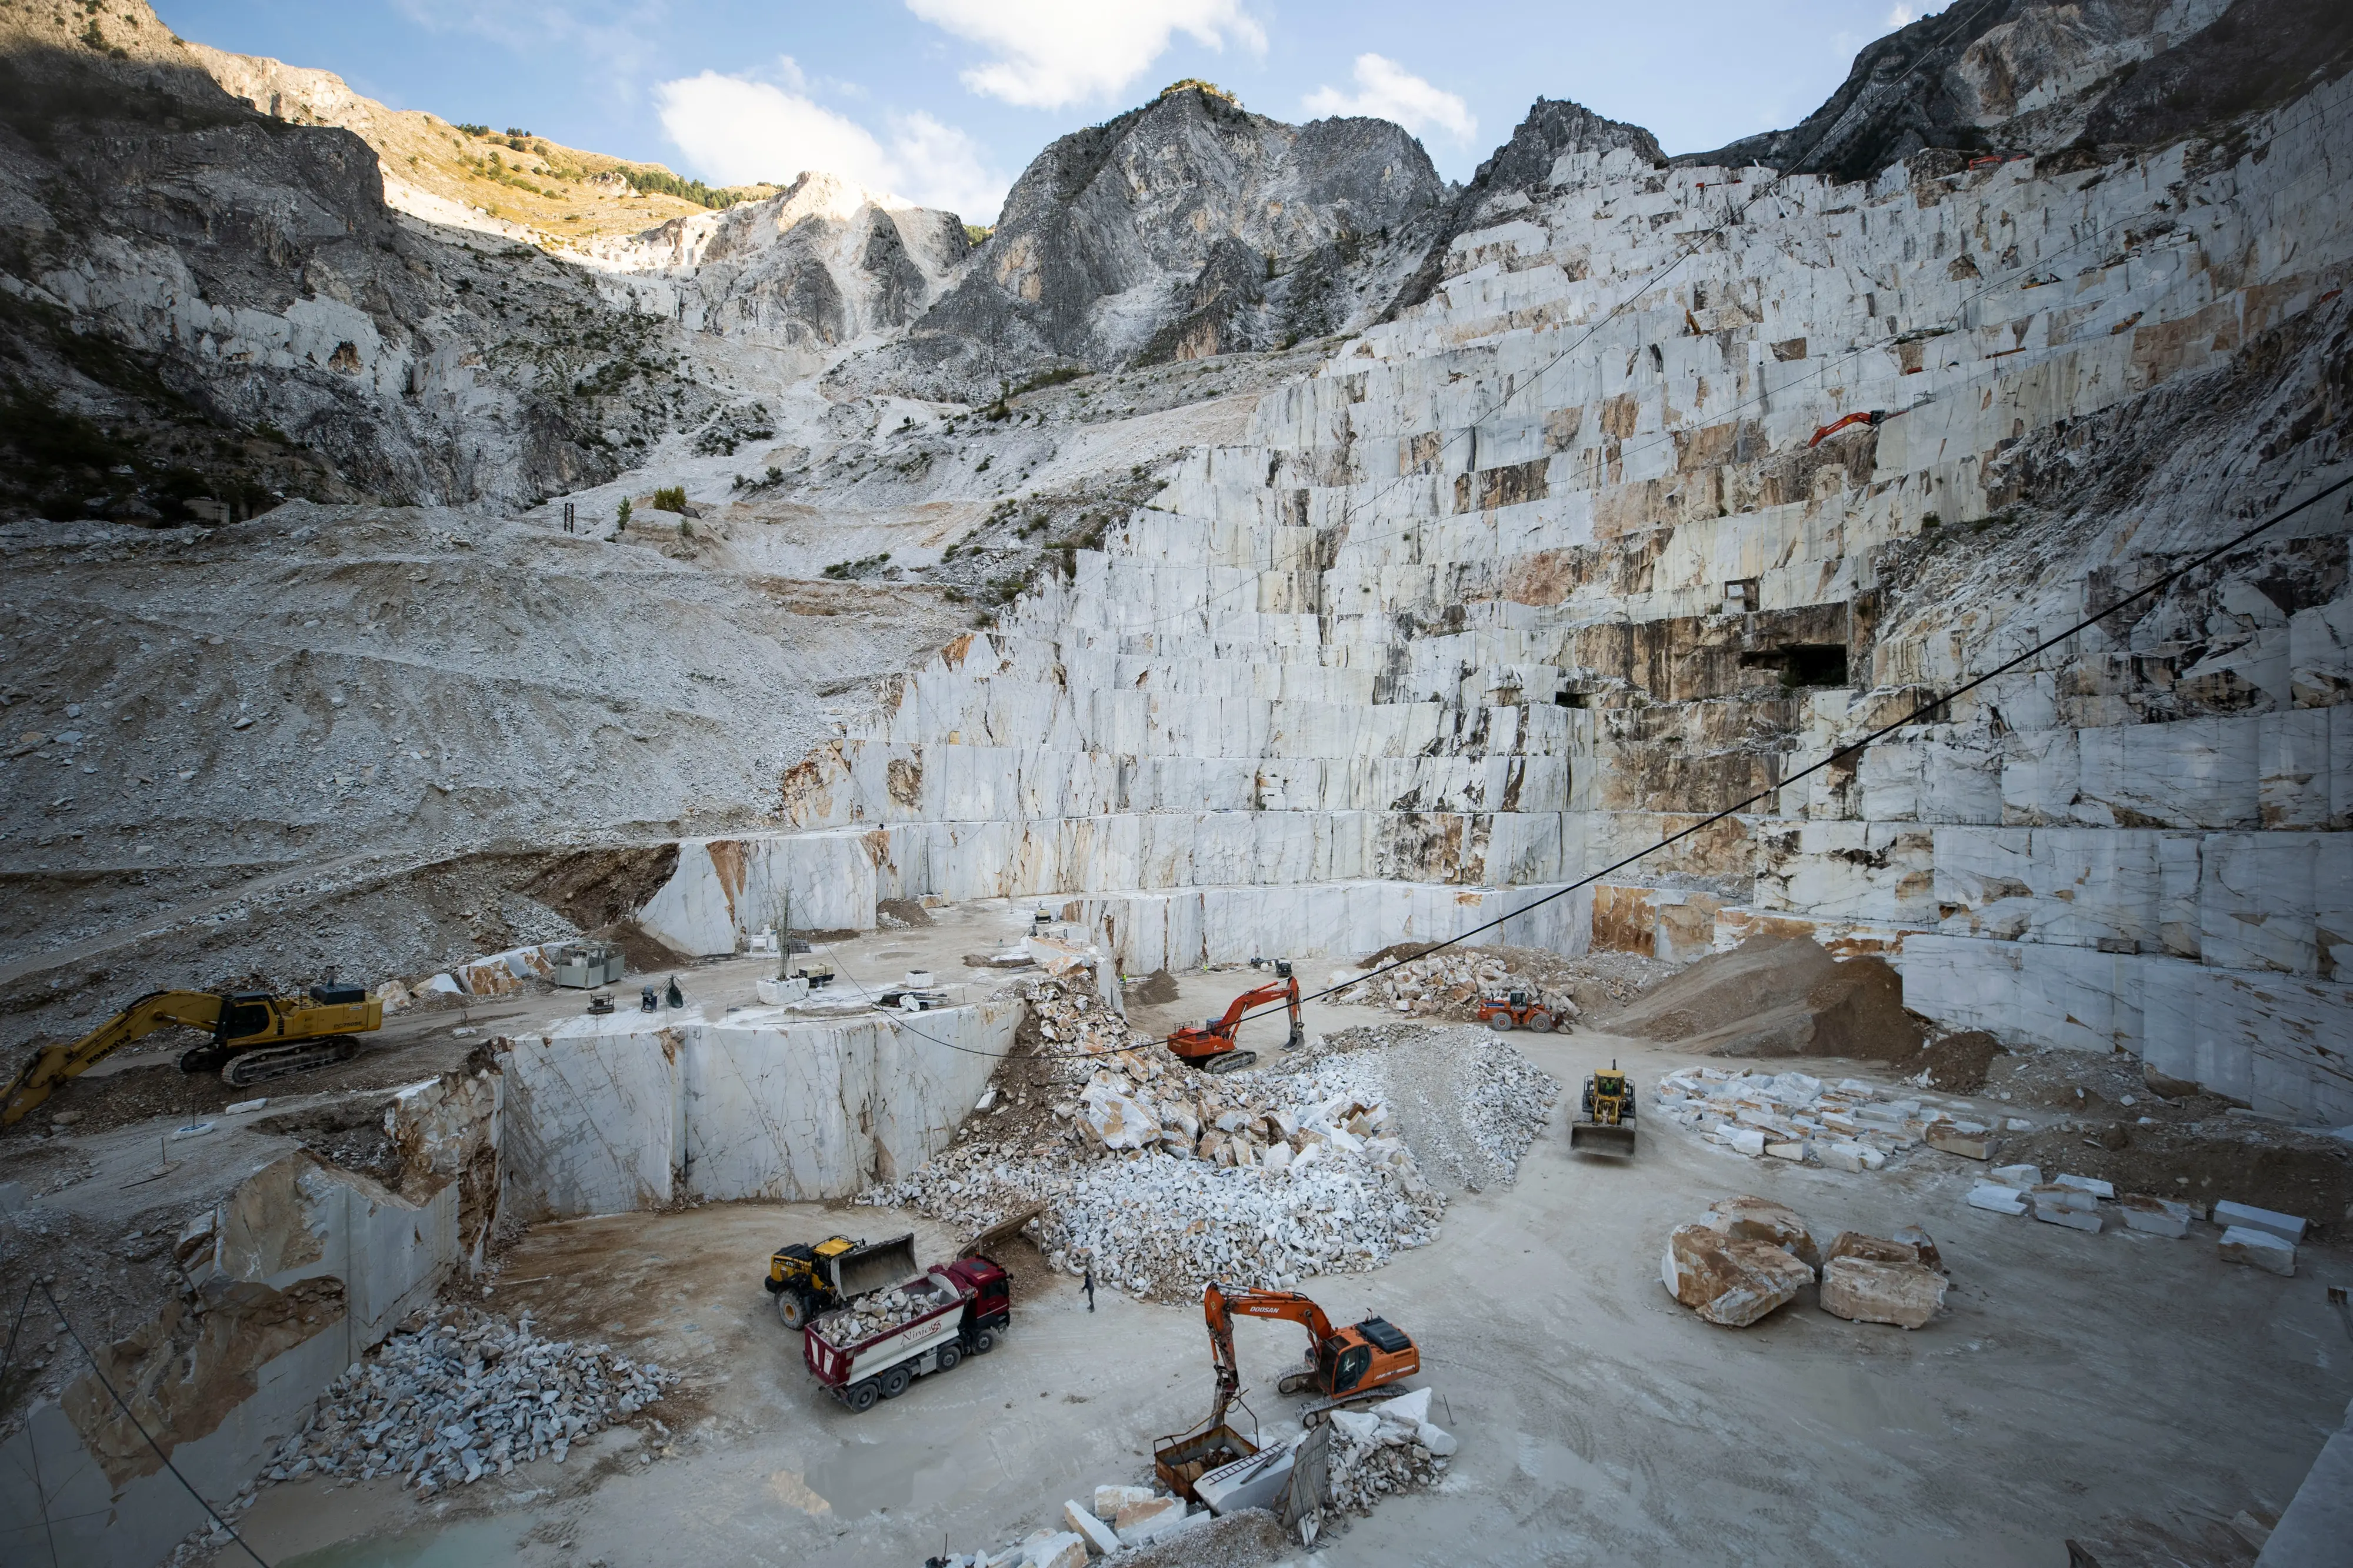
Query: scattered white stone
x=2157, y=1216
x=2286, y=1227
x=2092, y=1184
x=1997, y=1198
x=2022, y=1177
x=2258, y=1248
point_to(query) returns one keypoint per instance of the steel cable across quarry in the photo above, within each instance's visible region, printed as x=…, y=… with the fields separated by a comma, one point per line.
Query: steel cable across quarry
x=1923, y=712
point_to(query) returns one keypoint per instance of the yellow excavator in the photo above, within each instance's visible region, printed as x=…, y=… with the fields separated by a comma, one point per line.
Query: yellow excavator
x=256, y=1035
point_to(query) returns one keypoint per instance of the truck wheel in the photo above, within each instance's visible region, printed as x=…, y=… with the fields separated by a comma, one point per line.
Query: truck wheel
x=1540, y=1022
x=949, y=1355
x=984, y=1342
x=895, y=1380
x=861, y=1396
x=1500, y=1022
x=793, y=1308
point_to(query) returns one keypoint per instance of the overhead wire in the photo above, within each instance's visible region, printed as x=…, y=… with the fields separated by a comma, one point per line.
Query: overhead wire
x=131, y=1415
x=1515, y=386
x=1922, y=712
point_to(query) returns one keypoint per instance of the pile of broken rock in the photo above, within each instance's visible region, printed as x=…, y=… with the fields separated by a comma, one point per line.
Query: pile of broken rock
x=877, y=1313
x=1448, y=984
x=466, y=1395
x=1750, y=1255
x=1388, y=1448
x=1179, y=1178
x=1848, y=1126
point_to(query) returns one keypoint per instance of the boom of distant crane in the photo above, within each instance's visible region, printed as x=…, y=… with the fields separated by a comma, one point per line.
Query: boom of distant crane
x=1212, y=1048
x=256, y=1035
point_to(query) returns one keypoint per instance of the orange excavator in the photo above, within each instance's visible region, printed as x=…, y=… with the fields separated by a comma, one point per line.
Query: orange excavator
x=1210, y=1046
x=1343, y=1365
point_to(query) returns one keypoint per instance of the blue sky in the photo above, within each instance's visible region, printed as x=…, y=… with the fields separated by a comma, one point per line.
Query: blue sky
x=944, y=101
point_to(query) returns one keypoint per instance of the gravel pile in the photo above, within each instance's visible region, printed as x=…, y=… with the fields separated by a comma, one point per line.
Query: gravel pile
x=876, y=1314
x=1466, y=1102
x=469, y=1394
x=1257, y=1178
x=1161, y=1178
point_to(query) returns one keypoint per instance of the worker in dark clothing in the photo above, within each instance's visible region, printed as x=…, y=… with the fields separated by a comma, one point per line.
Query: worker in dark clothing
x=1090, y=1289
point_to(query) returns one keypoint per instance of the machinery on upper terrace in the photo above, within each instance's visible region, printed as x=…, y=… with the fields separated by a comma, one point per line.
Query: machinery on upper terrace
x=256, y=1035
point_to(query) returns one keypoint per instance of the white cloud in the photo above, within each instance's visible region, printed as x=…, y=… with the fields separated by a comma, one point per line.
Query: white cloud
x=1902, y=17
x=734, y=132
x=1387, y=90
x=1051, y=54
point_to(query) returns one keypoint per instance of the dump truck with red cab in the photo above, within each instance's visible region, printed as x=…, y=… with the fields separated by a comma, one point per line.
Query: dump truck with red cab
x=960, y=1308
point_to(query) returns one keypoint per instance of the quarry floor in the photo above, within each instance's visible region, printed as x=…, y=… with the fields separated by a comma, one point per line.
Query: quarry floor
x=2117, y=1389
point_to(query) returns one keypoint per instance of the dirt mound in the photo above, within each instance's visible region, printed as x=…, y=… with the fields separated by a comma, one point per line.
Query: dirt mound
x=901, y=914
x=1779, y=997
x=1156, y=989
x=1957, y=1063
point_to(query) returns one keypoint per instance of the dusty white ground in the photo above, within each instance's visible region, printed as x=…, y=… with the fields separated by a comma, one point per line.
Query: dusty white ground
x=2076, y=1386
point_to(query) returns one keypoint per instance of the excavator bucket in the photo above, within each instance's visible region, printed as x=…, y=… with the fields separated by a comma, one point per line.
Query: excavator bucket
x=1602, y=1138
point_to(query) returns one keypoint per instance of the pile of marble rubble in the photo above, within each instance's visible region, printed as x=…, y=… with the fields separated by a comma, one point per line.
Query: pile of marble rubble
x=1384, y=1450
x=467, y=1394
x=1748, y=1257
x=877, y=1312
x=1448, y=984
x=2258, y=1237
x=1169, y=1178
x=1850, y=1125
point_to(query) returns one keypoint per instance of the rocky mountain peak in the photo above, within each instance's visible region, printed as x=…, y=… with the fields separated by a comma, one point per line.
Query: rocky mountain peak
x=1186, y=227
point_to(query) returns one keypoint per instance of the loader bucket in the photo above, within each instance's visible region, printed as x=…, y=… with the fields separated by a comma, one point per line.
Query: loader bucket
x=1601, y=1138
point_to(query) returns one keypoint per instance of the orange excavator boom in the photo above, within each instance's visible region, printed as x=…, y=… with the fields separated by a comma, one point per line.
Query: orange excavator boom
x=1210, y=1045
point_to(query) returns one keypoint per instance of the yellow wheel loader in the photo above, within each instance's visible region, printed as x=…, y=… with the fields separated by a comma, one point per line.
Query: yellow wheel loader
x=256, y=1035
x=808, y=1278
x=1605, y=1121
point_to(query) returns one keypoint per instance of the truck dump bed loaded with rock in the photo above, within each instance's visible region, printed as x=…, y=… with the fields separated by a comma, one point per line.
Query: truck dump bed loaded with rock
x=874, y=1347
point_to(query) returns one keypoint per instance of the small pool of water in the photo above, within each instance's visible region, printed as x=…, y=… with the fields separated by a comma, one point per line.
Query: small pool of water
x=469, y=1544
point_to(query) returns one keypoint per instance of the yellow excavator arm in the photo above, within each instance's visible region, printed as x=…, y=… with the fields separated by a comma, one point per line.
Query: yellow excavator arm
x=53, y=1065
x=257, y=1034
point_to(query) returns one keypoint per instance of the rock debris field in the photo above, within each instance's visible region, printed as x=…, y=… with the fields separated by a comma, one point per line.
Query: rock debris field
x=467, y=1394
x=1849, y=1126
x=1161, y=1178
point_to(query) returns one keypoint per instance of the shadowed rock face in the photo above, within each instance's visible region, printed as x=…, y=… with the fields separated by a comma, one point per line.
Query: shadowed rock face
x=2037, y=76
x=1185, y=228
x=179, y=262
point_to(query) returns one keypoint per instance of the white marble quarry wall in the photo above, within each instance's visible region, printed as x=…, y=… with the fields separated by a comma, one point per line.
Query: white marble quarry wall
x=242, y=1387
x=1451, y=627
x=1185, y=930
x=636, y=1112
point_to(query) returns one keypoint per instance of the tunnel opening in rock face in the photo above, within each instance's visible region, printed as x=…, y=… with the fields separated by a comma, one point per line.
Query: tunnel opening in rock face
x=1802, y=666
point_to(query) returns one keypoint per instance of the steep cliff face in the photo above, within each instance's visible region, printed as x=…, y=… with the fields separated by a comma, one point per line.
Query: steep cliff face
x=2018, y=77
x=1519, y=173
x=220, y=303
x=807, y=270
x=1186, y=228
